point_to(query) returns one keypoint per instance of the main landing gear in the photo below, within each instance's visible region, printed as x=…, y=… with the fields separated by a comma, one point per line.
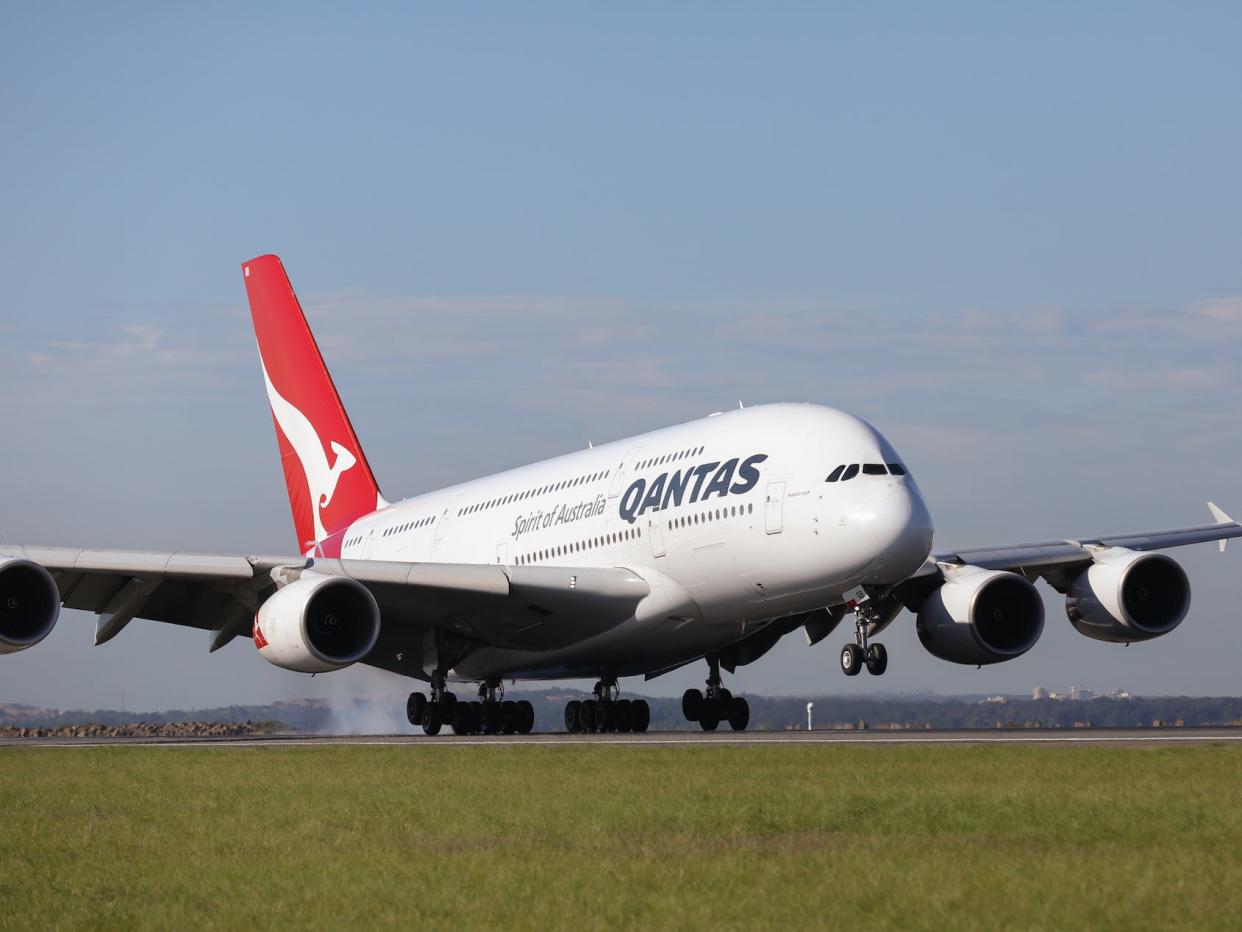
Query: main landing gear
x=861, y=653
x=491, y=715
x=718, y=705
x=606, y=712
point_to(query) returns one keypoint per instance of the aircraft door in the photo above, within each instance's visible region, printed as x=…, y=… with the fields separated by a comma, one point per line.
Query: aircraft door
x=368, y=545
x=502, y=553
x=445, y=517
x=655, y=534
x=624, y=468
x=774, y=508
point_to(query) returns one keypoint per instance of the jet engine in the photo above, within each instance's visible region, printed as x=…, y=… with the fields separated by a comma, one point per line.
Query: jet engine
x=981, y=616
x=29, y=604
x=317, y=624
x=1128, y=596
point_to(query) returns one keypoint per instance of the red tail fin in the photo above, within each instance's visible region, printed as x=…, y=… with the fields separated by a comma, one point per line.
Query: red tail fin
x=330, y=483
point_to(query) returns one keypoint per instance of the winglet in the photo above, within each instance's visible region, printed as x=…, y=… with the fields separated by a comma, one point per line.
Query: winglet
x=1221, y=518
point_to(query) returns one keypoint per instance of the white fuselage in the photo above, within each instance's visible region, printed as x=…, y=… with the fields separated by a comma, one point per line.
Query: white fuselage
x=728, y=518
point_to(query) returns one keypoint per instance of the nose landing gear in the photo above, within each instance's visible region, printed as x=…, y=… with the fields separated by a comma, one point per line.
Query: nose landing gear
x=719, y=705
x=862, y=653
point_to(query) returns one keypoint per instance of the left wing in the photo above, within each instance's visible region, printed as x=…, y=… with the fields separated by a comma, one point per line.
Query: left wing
x=519, y=607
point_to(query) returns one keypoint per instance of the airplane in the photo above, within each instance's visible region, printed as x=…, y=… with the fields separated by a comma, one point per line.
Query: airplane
x=706, y=541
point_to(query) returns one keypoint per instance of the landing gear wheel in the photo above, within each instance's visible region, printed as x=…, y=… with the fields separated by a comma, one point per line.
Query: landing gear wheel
x=431, y=718
x=508, y=716
x=851, y=659
x=691, y=704
x=622, y=715
x=602, y=716
x=723, y=695
x=709, y=716
x=640, y=715
x=586, y=716
x=448, y=702
x=414, y=708
x=462, y=719
x=525, y=717
x=476, y=717
x=739, y=714
x=876, y=659
x=572, y=716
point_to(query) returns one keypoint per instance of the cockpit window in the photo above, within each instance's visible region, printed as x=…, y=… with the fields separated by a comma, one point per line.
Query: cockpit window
x=850, y=472
x=897, y=469
x=835, y=474
x=874, y=469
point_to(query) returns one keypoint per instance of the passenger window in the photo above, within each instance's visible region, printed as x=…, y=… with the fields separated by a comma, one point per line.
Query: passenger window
x=850, y=472
x=835, y=474
x=874, y=469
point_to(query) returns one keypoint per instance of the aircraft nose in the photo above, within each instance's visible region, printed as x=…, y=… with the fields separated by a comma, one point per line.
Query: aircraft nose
x=894, y=527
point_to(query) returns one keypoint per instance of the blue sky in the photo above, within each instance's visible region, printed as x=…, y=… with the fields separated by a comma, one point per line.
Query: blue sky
x=1010, y=238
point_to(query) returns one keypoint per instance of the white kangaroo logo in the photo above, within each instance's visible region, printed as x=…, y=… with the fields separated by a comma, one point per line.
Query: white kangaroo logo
x=321, y=478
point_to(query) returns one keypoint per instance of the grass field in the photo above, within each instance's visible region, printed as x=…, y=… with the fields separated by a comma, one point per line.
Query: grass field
x=790, y=837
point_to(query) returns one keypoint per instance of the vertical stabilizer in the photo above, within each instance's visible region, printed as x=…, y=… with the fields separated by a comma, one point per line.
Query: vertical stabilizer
x=329, y=480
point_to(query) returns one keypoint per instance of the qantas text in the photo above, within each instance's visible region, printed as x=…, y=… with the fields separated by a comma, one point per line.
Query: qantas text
x=668, y=489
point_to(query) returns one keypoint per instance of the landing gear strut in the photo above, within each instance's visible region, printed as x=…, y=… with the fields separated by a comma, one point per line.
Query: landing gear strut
x=607, y=712
x=861, y=653
x=717, y=705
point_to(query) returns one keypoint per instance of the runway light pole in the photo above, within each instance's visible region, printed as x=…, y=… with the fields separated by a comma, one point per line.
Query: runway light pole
x=809, y=707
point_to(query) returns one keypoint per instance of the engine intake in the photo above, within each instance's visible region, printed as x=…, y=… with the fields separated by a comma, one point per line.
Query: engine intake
x=981, y=616
x=29, y=604
x=1127, y=596
x=317, y=624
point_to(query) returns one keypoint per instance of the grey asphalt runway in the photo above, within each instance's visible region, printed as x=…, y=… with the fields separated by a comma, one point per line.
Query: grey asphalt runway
x=1043, y=737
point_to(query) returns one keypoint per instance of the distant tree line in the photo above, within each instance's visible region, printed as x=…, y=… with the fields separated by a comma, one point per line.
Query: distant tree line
x=772, y=713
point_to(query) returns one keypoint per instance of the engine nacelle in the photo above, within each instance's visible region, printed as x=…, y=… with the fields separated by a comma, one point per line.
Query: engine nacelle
x=317, y=624
x=981, y=616
x=29, y=604
x=1127, y=596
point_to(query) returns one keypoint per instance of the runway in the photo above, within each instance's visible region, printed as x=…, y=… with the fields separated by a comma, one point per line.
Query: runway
x=682, y=739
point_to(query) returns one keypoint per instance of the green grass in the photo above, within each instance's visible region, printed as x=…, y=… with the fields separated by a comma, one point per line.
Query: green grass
x=775, y=836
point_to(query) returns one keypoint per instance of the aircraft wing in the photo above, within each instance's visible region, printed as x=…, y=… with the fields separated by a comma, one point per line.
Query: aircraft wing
x=1054, y=559
x=528, y=607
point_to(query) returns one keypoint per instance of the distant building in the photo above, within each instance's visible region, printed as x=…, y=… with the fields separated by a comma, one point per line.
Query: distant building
x=1039, y=693
x=994, y=699
x=1080, y=694
x=1119, y=694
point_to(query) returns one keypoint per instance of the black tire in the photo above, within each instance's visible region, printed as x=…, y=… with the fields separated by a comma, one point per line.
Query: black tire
x=603, y=716
x=476, y=717
x=586, y=715
x=723, y=696
x=622, y=715
x=414, y=708
x=709, y=716
x=739, y=713
x=525, y=717
x=431, y=718
x=462, y=719
x=448, y=702
x=508, y=716
x=851, y=659
x=876, y=659
x=572, y=710
x=691, y=704
x=640, y=715
x=491, y=718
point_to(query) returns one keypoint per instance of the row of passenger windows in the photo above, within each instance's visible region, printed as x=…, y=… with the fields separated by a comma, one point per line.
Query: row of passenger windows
x=848, y=472
x=718, y=514
x=530, y=493
x=409, y=526
x=591, y=543
x=669, y=458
